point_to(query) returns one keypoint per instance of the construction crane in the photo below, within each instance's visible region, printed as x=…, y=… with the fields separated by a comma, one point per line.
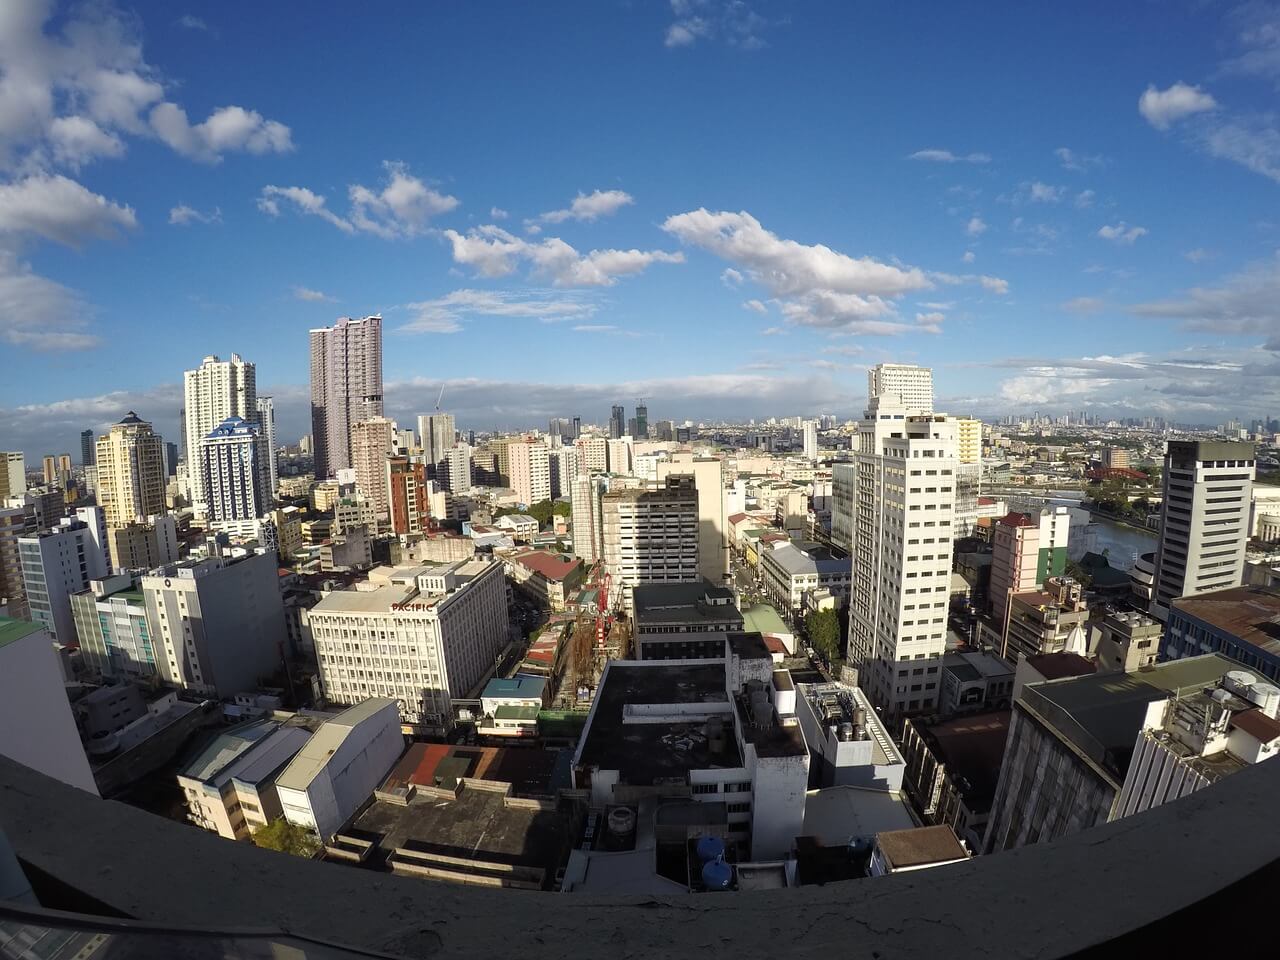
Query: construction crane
x=441, y=397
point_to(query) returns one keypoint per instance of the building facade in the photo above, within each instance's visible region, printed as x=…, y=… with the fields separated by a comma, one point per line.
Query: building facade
x=131, y=479
x=110, y=618
x=406, y=482
x=213, y=392
x=650, y=534
x=372, y=441
x=912, y=385
x=530, y=471
x=59, y=562
x=267, y=423
x=346, y=387
x=235, y=476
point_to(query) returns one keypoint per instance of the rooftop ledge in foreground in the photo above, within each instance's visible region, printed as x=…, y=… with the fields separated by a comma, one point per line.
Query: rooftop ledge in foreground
x=1185, y=874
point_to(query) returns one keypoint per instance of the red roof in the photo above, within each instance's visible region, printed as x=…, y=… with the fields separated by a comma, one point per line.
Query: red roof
x=738, y=518
x=1015, y=519
x=774, y=643
x=553, y=566
x=986, y=501
x=1258, y=725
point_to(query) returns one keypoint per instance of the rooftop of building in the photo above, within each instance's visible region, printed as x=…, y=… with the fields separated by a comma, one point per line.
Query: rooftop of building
x=748, y=645
x=696, y=601
x=1058, y=666
x=647, y=752
x=1015, y=519
x=227, y=747
x=442, y=765
x=838, y=702
x=1258, y=725
x=1103, y=713
x=13, y=630
x=920, y=846
x=547, y=563
x=804, y=556
x=972, y=748
x=1251, y=614
x=836, y=815
x=326, y=741
x=519, y=687
x=970, y=665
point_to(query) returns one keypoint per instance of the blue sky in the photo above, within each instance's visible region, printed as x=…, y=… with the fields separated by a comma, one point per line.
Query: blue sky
x=730, y=208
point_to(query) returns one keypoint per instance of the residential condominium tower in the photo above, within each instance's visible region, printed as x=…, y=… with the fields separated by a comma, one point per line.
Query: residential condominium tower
x=234, y=475
x=372, y=441
x=214, y=391
x=267, y=421
x=346, y=387
x=131, y=478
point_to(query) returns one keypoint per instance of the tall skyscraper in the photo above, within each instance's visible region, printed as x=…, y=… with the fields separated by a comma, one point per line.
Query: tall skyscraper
x=234, y=475
x=13, y=473
x=372, y=441
x=131, y=478
x=650, y=534
x=1204, y=524
x=912, y=384
x=438, y=434
x=456, y=474
x=618, y=422
x=530, y=471
x=406, y=483
x=170, y=459
x=642, y=421
x=57, y=471
x=86, y=448
x=346, y=387
x=904, y=498
x=811, y=439
x=267, y=423
x=214, y=391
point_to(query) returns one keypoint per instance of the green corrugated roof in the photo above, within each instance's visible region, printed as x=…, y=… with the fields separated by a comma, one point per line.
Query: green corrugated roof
x=763, y=618
x=11, y=630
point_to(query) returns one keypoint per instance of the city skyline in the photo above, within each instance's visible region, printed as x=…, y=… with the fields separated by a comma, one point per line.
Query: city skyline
x=828, y=211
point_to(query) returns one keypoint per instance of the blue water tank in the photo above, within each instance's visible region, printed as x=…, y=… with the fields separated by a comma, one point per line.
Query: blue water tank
x=716, y=874
x=709, y=848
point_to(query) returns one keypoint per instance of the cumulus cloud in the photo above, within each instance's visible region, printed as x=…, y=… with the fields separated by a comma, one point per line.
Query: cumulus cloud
x=946, y=156
x=1044, y=193
x=990, y=284
x=1085, y=198
x=227, y=130
x=190, y=22
x=733, y=22
x=312, y=296
x=493, y=252
x=1163, y=108
x=60, y=209
x=976, y=227
x=182, y=215
x=969, y=257
x=1247, y=302
x=400, y=209
x=447, y=314
x=77, y=140
x=589, y=207
x=1198, y=255
x=1121, y=233
x=1077, y=162
x=38, y=313
x=497, y=213
x=755, y=306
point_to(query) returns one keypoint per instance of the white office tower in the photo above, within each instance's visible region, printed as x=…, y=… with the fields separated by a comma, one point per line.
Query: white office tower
x=59, y=562
x=904, y=499
x=563, y=464
x=593, y=454
x=457, y=469
x=811, y=439
x=234, y=476
x=405, y=441
x=346, y=387
x=1204, y=521
x=438, y=434
x=843, y=474
x=267, y=422
x=214, y=391
x=912, y=384
x=713, y=528
x=530, y=470
x=372, y=441
x=13, y=474
x=619, y=450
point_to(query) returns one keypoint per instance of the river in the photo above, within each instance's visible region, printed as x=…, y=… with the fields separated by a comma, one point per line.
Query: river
x=1122, y=543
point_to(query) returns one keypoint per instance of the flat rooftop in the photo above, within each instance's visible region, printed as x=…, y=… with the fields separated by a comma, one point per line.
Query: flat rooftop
x=836, y=815
x=764, y=618
x=1250, y=613
x=646, y=752
x=972, y=747
x=659, y=604
x=921, y=846
x=441, y=765
x=11, y=630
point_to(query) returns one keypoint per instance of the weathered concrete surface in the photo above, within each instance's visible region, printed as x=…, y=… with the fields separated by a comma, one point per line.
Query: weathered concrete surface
x=1046, y=901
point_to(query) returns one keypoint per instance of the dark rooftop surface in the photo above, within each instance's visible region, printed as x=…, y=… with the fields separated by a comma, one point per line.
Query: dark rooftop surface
x=920, y=846
x=1056, y=666
x=528, y=770
x=477, y=824
x=748, y=646
x=770, y=739
x=645, y=752
x=1246, y=612
x=972, y=748
x=663, y=603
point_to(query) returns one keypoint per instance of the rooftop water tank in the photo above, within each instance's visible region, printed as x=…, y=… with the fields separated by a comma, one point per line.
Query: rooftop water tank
x=622, y=821
x=844, y=732
x=1239, y=682
x=709, y=848
x=1267, y=697
x=716, y=874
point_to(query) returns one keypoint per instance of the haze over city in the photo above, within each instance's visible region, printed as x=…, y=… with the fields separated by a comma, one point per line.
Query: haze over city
x=729, y=208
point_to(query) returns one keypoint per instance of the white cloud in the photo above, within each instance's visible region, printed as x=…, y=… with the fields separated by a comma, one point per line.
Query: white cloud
x=1252, y=142
x=76, y=140
x=976, y=227
x=401, y=209
x=1257, y=34
x=930, y=322
x=1163, y=108
x=448, y=313
x=62, y=210
x=304, y=200
x=1198, y=255
x=227, y=130
x=182, y=215
x=731, y=21
x=731, y=278
x=1077, y=162
x=946, y=156
x=38, y=313
x=595, y=328
x=1247, y=302
x=1121, y=233
x=497, y=213
x=312, y=296
x=588, y=207
x=1044, y=193
x=990, y=284
x=756, y=306
x=773, y=331
x=1085, y=198
x=969, y=256
x=493, y=252
x=189, y=22
x=1084, y=305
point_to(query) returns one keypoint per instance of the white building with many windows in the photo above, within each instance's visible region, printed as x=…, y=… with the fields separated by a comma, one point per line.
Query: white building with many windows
x=910, y=384
x=422, y=636
x=214, y=391
x=236, y=478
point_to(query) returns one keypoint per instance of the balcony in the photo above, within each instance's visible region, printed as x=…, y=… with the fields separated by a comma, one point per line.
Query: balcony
x=1178, y=875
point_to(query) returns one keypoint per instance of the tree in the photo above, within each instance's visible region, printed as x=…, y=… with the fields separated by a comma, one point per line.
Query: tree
x=286, y=837
x=823, y=628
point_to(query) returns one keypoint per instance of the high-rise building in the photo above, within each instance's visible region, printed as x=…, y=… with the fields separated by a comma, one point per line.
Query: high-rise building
x=170, y=459
x=453, y=615
x=86, y=448
x=811, y=439
x=406, y=484
x=563, y=466
x=584, y=515
x=649, y=534
x=713, y=528
x=1026, y=550
x=843, y=474
x=13, y=474
x=13, y=592
x=457, y=469
x=593, y=454
x=619, y=450
x=968, y=440
x=372, y=441
x=267, y=423
x=1204, y=524
x=406, y=441
x=214, y=391
x=618, y=421
x=641, y=431
x=234, y=475
x=346, y=387
x=110, y=618
x=530, y=471
x=903, y=499
x=130, y=467
x=57, y=471
x=59, y=562
x=913, y=385
x=1115, y=458
x=217, y=626
x=144, y=545
x=438, y=433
